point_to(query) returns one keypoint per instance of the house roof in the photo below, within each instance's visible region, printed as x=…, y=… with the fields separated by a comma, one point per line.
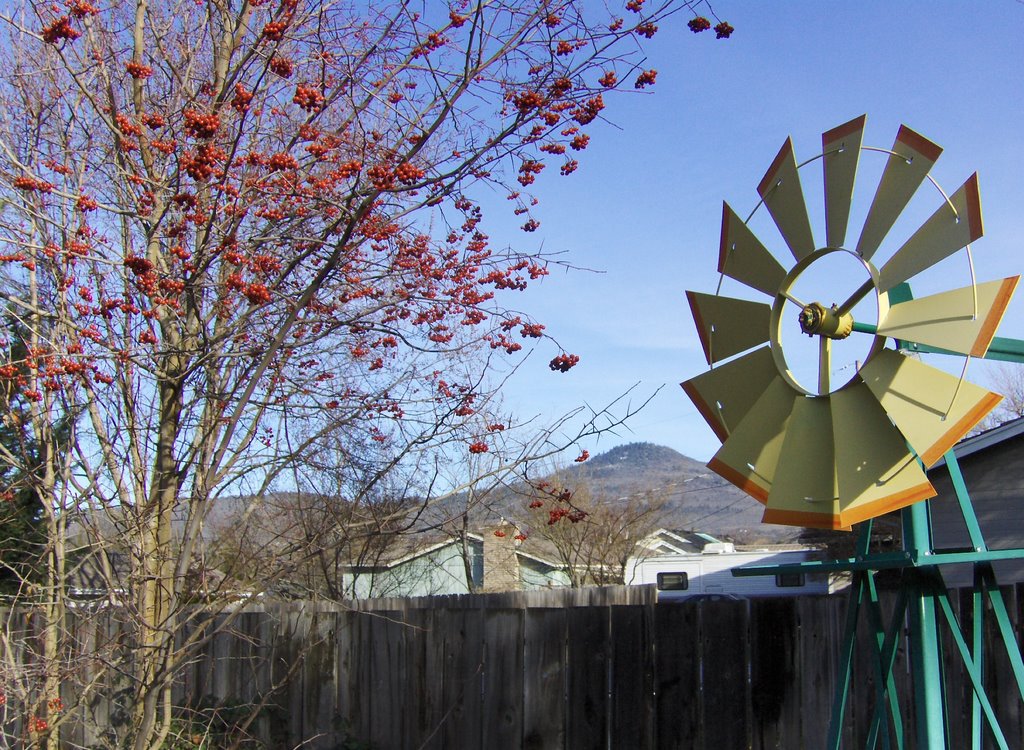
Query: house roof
x=986, y=439
x=676, y=541
x=404, y=548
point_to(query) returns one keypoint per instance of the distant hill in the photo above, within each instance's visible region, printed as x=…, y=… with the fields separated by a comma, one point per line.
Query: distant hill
x=697, y=498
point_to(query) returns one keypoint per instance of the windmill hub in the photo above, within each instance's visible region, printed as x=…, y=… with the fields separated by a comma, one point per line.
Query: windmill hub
x=816, y=319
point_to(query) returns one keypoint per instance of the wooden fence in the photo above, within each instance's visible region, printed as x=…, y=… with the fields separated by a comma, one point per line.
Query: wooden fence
x=605, y=668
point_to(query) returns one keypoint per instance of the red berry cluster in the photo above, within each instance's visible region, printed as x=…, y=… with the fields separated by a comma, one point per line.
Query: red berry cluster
x=308, y=98
x=200, y=125
x=647, y=30
x=563, y=362
x=407, y=173
x=81, y=9
x=560, y=87
x=126, y=126
x=137, y=70
x=527, y=170
x=646, y=78
x=698, y=24
x=37, y=724
x=280, y=161
x=587, y=113
x=382, y=177
x=257, y=294
x=282, y=66
x=31, y=184
x=199, y=165
x=723, y=30
x=609, y=79
x=574, y=516
x=635, y=5
x=434, y=41
x=537, y=504
x=457, y=20
x=478, y=447
x=274, y=30
x=242, y=98
x=60, y=29
x=499, y=533
x=527, y=101
x=349, y=169
x=582, y=457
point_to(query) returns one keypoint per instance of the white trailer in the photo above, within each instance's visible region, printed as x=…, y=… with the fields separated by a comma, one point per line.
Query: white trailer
x=678, y=576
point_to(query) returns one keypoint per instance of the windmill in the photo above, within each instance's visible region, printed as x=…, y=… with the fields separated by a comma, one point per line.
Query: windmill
x=836, y=452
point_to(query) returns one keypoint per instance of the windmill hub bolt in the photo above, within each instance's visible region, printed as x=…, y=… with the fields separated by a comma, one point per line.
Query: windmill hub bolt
x=816, y=319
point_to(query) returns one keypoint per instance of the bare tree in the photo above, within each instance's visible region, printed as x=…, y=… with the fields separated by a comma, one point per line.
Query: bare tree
x=233, y=228
x=594, y=535
x=1008, y=381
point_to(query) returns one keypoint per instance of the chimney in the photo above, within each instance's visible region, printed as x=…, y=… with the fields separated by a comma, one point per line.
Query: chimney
x=501, y=564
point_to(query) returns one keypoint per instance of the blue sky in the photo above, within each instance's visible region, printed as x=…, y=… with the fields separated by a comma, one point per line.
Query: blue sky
x=645, y=207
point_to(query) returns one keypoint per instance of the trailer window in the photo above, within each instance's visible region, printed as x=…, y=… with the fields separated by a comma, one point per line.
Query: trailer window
x=673, y=581
x=789, y=580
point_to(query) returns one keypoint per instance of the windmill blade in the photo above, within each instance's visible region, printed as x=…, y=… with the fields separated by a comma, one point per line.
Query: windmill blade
x=945, y=232
x=781, y=192
x=741, y=256
x=803, y=490
x=841, y=149
x=724, y=395
x=948, y=321
x=749, y=456
x=875, y=471
x=904, y=172
x=728, y=326
x=919, y=399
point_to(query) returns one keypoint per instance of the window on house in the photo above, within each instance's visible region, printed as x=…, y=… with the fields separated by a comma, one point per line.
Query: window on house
x=789, y=580
x=673, y=581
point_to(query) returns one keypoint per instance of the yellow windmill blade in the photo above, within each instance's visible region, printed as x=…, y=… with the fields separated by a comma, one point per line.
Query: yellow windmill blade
x=950, y=320
x=840, y=149
x=931, y=408
x=874, y=476
x=782, y=195
x=803, y=489
x=912, y=158
x=728, y=326
x=953, y=226
x=749, y=456
x=724, y=395
x=741, y=256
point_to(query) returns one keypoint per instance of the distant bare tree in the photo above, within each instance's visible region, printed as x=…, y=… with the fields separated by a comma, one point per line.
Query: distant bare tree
x=1008, y=381
x=594, y=535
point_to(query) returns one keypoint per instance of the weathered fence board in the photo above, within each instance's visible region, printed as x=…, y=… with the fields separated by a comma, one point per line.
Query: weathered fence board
x=461, y=683
x=544, y=672
x=775, y=695
x=502, y=719
x=676, y=677
x=725, y=689
x=632, y=700
x=587, y=659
